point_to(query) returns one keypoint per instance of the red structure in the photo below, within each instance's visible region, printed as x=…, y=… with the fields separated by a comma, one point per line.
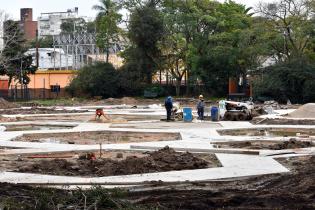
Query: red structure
x=4, y=87
x=28, y=26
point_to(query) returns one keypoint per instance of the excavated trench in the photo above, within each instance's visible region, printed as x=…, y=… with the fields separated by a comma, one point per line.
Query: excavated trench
x=110, y=164
x=268, y=132
x=283, y=121
x=88, y=118
x=98, y=137
x=270, y=145
x=31, y=127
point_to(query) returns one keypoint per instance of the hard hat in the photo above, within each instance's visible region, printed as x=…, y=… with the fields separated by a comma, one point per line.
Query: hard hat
x=201, y=96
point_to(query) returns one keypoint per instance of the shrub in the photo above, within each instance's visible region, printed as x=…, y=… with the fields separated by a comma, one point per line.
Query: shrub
x=99, y=79
x=293, y=80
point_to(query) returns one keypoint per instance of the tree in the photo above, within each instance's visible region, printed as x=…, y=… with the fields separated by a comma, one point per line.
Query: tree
x=44, y=42
x=73, y=25
x=13, y=62
x=290, y=26
x=145, y=31
x=107, y=24
x=99, y=79
x=77, y=25
x=288, y=31
x=293, y=80
x=224, y=44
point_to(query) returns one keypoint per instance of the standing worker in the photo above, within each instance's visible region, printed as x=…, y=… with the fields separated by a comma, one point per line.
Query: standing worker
x=168, y=106
x=201, y=108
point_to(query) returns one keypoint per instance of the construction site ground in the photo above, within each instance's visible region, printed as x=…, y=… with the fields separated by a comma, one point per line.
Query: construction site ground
x=141, y=162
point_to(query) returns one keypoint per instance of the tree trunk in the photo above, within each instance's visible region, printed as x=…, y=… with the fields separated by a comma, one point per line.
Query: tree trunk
x=149, y=78
x=187, y=83
x=177, y=86
x=107, y=55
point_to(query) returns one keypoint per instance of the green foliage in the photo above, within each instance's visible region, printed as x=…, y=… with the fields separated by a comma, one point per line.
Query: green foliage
x=78, y=25
x=131, y=82
x=107, y=22
x=292, y=80
x=225, y=46
x=99, y=79
x=145, y=31
x=213, y=41
x=45, y=42
x=13, y=62
x=49, y=199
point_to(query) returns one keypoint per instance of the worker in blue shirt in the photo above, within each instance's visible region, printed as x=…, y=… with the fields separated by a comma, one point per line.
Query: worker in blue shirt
x=168, y=106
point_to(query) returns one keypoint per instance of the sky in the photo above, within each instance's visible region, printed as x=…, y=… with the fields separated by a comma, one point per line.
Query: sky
x=12, y=7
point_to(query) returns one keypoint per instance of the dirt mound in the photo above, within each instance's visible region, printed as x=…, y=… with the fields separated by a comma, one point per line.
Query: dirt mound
x=291, y=144
x=163, y=160
x=305, y=111
x=4, y=104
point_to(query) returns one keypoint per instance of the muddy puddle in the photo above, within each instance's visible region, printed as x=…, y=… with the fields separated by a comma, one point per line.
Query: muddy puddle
x=163, y=160
x=271, y=145
x=97, y=137
x=269, y=132
x=31, y=127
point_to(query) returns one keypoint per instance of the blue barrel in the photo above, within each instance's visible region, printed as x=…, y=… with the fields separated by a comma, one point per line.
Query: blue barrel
x=187, y=114
x=214, y=113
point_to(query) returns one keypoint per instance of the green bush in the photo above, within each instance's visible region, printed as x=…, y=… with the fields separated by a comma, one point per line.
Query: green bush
x=131, y=82
x=99, y=79
x=293, y=80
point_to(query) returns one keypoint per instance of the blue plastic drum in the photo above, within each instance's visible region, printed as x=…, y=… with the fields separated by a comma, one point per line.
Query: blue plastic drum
x=187, y=112
x=214, y=113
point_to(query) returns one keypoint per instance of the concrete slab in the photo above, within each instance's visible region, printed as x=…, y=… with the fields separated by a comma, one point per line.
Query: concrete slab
x=195, y=136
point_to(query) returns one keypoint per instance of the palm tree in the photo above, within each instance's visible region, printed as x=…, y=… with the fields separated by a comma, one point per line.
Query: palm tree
x=107, y=21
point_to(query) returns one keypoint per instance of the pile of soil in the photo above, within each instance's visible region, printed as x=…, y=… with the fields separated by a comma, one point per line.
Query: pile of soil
x=305, y=111
x=291, y=144
x=4, y=104
x=163, y=160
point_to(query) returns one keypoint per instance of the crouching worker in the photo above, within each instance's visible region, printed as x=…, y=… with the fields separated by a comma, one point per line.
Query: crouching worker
x=99, y=113
x=168, y=106
x=201, y=108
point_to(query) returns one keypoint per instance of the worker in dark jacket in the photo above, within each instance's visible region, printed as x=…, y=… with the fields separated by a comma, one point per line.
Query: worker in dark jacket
x=201, y=108
x=168, y=107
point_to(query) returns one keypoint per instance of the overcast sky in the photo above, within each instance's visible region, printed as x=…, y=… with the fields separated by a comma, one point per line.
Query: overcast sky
x=12, y=7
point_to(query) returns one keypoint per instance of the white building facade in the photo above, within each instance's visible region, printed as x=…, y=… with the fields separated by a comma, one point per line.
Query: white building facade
x=51, y=59
x=49, y=23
